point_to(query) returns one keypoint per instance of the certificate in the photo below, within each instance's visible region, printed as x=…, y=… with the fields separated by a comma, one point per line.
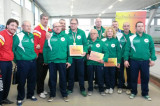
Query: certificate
x=96, y=56
x=76, y=50
x=111, y=62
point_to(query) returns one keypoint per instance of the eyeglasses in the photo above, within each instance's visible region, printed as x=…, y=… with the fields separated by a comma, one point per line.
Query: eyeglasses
x=73, y=23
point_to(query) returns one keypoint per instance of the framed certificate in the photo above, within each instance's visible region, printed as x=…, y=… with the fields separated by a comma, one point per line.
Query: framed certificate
x=76, y=50
x=111, y=62
x=96, y=56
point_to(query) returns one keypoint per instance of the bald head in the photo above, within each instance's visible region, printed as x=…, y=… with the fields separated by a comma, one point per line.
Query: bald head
x=126, y=27
x=26, y=26
x=57, y=27
x=98, y=23
x=93, y=34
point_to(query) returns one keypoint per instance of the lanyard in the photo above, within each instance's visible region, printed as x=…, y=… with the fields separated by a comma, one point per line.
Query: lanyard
x=74, y=38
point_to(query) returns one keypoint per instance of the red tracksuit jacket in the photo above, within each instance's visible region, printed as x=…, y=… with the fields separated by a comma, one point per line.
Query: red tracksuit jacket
x=6, y=42
x=39, y=37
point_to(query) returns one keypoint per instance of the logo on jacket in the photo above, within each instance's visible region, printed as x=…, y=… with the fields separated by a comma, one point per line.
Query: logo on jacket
x=78, y=37
x=113, y=45
x=98, y=45
x=62, y=39
x=146, y=40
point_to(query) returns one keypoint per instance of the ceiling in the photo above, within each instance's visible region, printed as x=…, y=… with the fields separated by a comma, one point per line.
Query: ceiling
x=90, y=8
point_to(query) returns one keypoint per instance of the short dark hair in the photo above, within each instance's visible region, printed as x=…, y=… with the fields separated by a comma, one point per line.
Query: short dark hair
x=43, y=15
x=138, y=23
x=10, y=21
x=74, y=19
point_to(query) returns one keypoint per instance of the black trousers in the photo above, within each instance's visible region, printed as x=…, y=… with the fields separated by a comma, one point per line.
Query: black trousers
x=41, y=73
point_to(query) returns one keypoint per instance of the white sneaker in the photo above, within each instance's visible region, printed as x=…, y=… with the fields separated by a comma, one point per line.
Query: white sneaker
x=110, y=90
x=50, y=99
x=128, y=92
x=45, y=92
x=42, y=95
x=102, y=93
x=107, y=91
x=119, y=90
x=89, y=93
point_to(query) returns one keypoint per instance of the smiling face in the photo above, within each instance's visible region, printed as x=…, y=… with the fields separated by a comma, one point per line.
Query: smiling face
x=26, y=26
x=126, y=27
x=109, y=33
x=74, y=24
x=140, y=28
x=63, y=24
x=44, y=21
x=12, y=27
x=98, y=23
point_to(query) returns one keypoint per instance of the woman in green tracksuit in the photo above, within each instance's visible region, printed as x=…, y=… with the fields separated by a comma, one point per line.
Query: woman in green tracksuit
x=114, y=52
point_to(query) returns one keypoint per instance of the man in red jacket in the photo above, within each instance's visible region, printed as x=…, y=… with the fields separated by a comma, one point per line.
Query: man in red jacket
x=6, y=57
x=39, y=39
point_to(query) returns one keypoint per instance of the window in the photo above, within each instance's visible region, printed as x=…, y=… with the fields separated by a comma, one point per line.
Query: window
x=85, y=25
x=158, y=21
x=36, y=16
x=152, y=23
x=28, y=5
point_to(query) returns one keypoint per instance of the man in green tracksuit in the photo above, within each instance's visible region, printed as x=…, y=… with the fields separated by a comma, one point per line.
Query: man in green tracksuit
x=141, y=50
x=24, y=56
x=126, y=33
x=55, y=55
x=77, y=37
x=99, y=28
x=96, y=66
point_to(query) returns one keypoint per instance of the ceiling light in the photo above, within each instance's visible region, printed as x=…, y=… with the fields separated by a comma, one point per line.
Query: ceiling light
x=120, y=0
x=110, y=7
x=100, y=14
x=71, y=6
x=103, y=12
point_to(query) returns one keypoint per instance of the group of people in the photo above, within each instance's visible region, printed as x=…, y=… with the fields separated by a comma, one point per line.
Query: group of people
x=45, y=48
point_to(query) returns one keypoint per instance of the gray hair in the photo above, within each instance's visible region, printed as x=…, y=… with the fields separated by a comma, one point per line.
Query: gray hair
x=43, y=15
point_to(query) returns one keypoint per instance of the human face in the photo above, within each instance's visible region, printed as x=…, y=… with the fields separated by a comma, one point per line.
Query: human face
x=12, y=27
x=63, y=24
x=57, y=27
x=110, y=33
x=94, y=34
x=98, y=23
x=126, y=27
x=140, y=28
x=26, y=27
x=74, y=25
x=44, y=21
x=115, y=25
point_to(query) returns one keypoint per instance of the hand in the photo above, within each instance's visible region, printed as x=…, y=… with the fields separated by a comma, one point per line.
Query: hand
x=68, y=65
x=45, y=64
x=118, y=65
x=84, y=53
x=38, y=46
x=126, y=64
x=151, y=63
x=48, y=35
x=87, y=56
x=101, y=61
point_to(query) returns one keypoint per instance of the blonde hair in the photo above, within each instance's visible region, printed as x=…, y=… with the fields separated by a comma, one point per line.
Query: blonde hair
x=107, y=29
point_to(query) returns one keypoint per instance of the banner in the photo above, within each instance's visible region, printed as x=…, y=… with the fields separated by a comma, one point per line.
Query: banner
x=131, y=17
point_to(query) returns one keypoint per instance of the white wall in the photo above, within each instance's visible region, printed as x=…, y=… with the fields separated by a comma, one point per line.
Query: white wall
x=2, y=12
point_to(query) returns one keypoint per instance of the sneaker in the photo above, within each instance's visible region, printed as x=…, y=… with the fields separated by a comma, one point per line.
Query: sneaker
x=45, y=92
x=102, y=93
x=107, y=91
x=132, y=96
x=69, y=92
x=119, y=90
x=66, y=99
x=33, y=98
x=110, y=90
x=147, y=97
x=84, y=93
x=128, y=92
x=42, y=95
x=89, y=93
x=50, y=99
x=19, y=103
x=6, y=101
